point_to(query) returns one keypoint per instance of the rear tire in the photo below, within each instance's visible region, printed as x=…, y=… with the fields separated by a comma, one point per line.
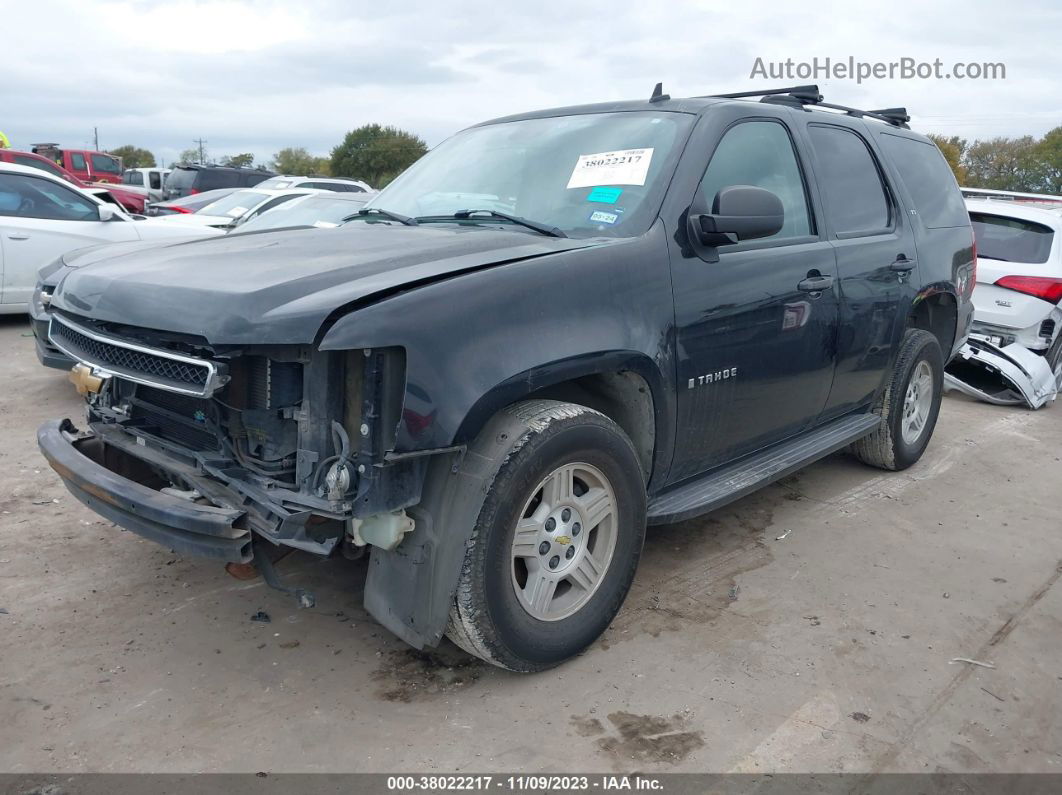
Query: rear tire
x=557, y=541
x=908, y=406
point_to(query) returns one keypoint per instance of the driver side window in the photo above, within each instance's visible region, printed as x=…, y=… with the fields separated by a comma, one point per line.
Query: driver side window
x=760, y=154
x=30, y=197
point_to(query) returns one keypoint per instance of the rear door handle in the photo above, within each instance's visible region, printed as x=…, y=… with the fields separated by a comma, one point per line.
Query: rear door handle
x=815, y=284
x=902, y=265
x=18, y=236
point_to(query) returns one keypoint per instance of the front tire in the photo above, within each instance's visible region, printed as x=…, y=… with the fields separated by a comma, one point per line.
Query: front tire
x=908, y=406
x=557, y=541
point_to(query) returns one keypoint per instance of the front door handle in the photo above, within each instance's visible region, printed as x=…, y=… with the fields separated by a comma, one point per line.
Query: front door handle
x=18, y=236
x=902, y=265
x=815, y=284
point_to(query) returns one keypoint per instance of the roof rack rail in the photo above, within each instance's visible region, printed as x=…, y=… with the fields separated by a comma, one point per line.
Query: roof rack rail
x=808, y=96
x=809, y=92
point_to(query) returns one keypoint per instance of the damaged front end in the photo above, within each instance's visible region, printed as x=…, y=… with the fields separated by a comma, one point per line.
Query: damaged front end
x=1005, y=375
x=211, y=450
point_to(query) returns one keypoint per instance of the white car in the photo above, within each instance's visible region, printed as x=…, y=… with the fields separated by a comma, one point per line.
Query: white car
x=43, y=217
x=147, y=181
x=236, y=208
x=337, y=184
x=1019, y=272
x=1014, y=353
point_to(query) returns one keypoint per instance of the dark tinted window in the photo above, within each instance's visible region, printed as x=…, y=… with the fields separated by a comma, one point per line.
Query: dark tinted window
x=43, y=165
x=929, y=180
x=78, y=161
x=760, y=153
x=105, y=164
x=254, y=177
x=181, y=178
x=154, y=180
x=131, y=177
x=211, y=179
x=37, y=197
x=1011, y=239
x=850, y=181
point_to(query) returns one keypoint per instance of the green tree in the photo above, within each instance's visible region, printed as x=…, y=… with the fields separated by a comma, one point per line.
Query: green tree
x=134, y=156
x=295, y=160
x=376, y=154
x=953, y=149
x=1004, y=164
x=237, y=161
x=1049, y=156
x=188, y=157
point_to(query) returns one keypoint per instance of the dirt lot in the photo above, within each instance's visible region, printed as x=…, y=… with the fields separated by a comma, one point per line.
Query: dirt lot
x=807, y=628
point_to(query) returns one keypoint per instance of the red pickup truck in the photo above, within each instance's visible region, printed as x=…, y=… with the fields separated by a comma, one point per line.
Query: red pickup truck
x=85, y=164
x=129, y=200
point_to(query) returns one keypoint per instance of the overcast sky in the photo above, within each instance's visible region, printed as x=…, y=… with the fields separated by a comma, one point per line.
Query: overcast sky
x=257, y=75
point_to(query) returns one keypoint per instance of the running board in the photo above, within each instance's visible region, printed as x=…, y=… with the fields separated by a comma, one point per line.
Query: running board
x=734, y=481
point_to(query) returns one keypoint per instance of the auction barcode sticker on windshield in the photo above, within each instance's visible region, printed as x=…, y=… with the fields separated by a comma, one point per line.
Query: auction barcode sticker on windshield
x=627, y=167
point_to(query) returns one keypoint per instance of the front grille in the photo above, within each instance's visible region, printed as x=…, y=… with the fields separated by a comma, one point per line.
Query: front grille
x=159, y=368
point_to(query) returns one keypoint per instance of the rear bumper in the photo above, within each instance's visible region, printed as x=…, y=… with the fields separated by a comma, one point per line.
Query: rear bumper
x=186, y=527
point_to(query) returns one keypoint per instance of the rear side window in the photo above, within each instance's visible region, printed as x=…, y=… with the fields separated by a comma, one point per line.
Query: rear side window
x=856, y=202
x=930, y=182
x=154, y=180
x=212, y=179
x=760, y=153
x=78, y=161
x=254, y=178
x=1011, y=239
x=181, y=178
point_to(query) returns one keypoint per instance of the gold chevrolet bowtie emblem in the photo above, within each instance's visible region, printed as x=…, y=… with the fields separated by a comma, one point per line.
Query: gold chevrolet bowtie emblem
x=84, y=380
x=563, y=540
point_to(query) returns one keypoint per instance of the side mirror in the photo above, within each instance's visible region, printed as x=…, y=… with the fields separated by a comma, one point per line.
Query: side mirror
x=739, y=212
x=107, y=212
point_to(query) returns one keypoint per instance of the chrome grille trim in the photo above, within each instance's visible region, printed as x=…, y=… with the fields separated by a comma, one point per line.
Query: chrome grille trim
x=200, y=377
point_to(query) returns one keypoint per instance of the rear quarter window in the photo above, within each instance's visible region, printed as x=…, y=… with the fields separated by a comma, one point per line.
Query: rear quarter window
x=928, y=179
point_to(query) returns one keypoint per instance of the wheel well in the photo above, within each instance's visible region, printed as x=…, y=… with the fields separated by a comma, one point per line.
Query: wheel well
x=624, y=397
x=937, y=314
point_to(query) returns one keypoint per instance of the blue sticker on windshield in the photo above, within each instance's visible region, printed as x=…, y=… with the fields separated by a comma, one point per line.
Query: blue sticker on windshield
x=601, y=217
x=604, y=195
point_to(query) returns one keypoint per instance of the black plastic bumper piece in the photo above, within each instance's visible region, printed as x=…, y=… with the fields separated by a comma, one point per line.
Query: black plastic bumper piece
x=186, y=527
x=48, y=354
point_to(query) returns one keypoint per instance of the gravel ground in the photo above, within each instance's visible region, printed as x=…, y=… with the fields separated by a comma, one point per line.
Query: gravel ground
x=810, y=627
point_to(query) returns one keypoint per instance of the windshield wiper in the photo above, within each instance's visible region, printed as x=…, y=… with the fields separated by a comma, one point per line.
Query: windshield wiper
x=402, y=219
x=544, y=229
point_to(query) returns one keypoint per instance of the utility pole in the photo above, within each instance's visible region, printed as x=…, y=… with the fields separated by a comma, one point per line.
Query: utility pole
x=96, y=138
x=202, y=154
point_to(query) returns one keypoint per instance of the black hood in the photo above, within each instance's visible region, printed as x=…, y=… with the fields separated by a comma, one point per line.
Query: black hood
x=279, y=287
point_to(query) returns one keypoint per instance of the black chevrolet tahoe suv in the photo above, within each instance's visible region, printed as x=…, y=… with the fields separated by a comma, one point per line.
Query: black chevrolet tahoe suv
x=552, y=330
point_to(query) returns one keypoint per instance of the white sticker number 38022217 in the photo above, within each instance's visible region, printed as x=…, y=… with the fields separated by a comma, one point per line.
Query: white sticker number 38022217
x=626, y=167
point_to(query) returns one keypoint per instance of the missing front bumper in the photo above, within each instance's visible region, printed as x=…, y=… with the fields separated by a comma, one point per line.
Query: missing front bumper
x=90, y=470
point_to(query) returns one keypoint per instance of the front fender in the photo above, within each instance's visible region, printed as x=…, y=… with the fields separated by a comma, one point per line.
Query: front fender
x=478, y=341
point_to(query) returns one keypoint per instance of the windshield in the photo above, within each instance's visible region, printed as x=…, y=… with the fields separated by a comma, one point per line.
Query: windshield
x=309, y=211
x=235, y=204
x=588, y=175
